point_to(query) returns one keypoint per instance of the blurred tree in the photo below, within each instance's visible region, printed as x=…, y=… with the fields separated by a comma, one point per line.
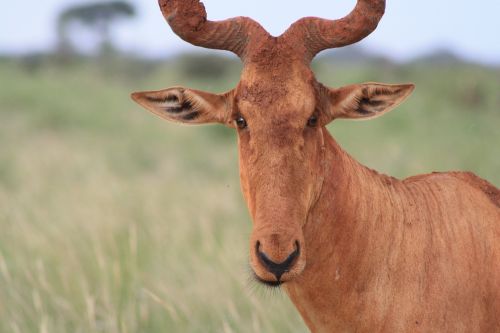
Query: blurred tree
x=98, y=17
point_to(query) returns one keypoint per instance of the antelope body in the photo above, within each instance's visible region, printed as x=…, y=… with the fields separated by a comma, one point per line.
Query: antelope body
x=355, y=250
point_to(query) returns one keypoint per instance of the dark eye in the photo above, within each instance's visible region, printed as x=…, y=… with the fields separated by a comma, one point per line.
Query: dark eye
x=313, y=121
x=241, y=122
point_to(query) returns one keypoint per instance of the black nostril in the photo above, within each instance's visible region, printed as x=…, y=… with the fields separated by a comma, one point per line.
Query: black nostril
x=278, y=269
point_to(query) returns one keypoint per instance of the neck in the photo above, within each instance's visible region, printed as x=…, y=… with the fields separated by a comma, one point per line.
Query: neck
x=341, y=231
x=351, y=195
x=352, y=202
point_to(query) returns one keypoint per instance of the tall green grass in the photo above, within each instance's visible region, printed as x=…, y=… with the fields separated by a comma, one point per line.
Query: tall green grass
x=113, y=221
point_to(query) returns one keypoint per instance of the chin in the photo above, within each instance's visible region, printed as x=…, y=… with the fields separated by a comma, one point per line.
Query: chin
x=267, y=283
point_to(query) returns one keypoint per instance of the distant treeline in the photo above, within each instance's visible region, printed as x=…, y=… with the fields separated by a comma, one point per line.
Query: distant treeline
x=212, y=64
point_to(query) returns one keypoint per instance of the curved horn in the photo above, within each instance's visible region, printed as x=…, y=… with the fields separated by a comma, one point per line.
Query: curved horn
x=188, y=19
x=320, y=34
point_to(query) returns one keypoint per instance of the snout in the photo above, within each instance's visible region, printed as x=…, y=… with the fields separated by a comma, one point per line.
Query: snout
x=277, y=257
x=278, y=269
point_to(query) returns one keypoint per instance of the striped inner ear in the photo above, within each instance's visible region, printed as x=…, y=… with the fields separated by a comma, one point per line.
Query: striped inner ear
x=375, y=100
x=185, y=105
x=177, y=106
x=368, y=106
x=366, y=100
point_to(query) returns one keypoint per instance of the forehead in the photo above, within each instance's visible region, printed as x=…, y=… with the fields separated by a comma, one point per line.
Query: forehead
x=288, y=92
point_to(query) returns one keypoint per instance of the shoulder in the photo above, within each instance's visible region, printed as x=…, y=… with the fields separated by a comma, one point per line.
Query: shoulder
x=454, y=178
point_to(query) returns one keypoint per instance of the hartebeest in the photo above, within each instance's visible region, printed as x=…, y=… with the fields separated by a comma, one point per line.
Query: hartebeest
x=355, y=250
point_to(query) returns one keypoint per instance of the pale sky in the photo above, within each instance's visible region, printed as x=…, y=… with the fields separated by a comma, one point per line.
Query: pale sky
x=409, y=28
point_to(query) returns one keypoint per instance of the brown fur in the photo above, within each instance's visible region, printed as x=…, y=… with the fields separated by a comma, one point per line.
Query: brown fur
x=419, y=255
x=356, y=251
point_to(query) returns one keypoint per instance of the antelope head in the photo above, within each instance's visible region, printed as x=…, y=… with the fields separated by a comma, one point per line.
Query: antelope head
x=279, y=111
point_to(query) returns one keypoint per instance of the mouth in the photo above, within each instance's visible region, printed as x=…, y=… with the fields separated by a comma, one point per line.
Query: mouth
x=272, y=284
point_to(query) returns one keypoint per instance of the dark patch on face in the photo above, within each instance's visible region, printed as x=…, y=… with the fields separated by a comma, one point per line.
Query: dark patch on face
x=191, y=116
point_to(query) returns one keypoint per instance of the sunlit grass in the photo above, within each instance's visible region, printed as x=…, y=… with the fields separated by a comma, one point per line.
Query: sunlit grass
x=113, y=221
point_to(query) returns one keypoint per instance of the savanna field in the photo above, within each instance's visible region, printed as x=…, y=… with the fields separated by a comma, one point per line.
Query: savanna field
x=112, y=220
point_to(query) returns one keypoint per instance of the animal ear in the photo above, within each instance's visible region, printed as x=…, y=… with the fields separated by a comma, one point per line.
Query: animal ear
x=185, y=105
x=367, y=100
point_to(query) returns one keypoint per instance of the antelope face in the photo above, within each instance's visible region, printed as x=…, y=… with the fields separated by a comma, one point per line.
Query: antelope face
x=280, y=151
x=279, y=111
